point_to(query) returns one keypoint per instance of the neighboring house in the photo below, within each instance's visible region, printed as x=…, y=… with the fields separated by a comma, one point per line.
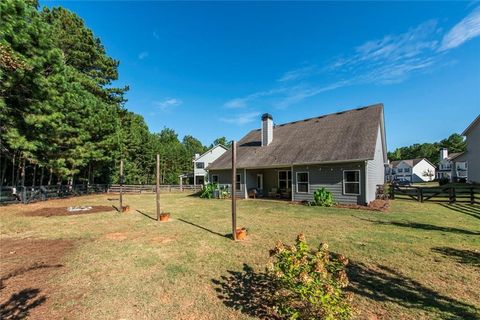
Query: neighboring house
x=200, y=162
x=344, y=152
x=412, y=170
x=452, y=166
x=472, y=156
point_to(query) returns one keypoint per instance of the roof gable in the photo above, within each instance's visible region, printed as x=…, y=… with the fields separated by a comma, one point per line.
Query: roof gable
x=340, y=137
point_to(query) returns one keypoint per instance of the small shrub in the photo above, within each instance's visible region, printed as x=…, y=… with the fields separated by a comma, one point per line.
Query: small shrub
x=322, y=197
x=443, y=181
x=310, y=282
x=208, y=190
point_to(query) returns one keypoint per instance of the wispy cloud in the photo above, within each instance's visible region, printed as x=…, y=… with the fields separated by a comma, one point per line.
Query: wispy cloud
x=142, y=55
x=156, y=35
x=242, y=118
x=463, y=31
x=297, y=74
x=168, y=103
x=388, y=60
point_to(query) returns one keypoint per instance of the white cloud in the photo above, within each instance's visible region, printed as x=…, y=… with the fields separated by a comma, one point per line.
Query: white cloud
x=297, y=74
x=142, y=55
x=168, y=103
x=242, y=118
x=156, y=35
x=388, y=60
x=463, y=31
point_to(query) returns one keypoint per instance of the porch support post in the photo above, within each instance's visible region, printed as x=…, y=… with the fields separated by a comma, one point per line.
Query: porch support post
x=245, y=191
x=234, y=182
x=292, y=186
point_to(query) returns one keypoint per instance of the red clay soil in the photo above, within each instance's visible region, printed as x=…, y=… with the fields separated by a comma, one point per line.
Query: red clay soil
x=62, y=211
x=26, y=269
x=375, y=205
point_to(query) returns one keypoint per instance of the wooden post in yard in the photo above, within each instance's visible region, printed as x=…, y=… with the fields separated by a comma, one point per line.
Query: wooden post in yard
x=121, y=186
x=234, y=189
x=158, y=187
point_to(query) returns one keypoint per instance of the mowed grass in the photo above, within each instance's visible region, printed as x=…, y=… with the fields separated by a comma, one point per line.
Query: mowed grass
x=418, y=261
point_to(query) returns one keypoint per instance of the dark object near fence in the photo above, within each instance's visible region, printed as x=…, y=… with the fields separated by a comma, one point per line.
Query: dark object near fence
x=10, y=195
x=451, y=194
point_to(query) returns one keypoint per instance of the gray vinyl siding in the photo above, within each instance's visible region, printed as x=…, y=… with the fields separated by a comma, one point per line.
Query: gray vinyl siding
x=225, y=177
x=375, y=170
x=473, y=153
x=331, y=178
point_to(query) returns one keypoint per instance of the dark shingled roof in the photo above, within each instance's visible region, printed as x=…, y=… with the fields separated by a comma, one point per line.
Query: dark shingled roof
x=343, y=136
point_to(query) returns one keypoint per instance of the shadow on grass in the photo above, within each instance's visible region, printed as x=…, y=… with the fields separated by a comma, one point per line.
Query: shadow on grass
x=383, y=284
x=472, y=210
x=247, y=291
x=228, y=236
x=20, y=303
x=146, y=215
x=468, y=257
x=424, y=226
x=21, y=271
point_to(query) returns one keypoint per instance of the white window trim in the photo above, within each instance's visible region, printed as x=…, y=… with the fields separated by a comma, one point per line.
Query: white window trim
x=359, y=183
x=308, y=181
x=286, y=178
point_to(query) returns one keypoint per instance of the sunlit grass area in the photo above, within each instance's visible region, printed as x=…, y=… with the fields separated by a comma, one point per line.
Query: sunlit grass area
x=417, y=261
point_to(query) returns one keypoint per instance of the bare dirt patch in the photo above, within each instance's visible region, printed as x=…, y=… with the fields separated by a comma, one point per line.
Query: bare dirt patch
x=26, y=268
x=118, y=236
x=375, y=205
x=62, y=211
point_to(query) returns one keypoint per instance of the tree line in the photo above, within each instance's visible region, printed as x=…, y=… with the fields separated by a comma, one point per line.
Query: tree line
x=431, y=151
x=62, y=119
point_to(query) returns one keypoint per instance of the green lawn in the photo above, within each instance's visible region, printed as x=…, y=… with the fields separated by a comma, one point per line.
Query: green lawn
x=418, y=261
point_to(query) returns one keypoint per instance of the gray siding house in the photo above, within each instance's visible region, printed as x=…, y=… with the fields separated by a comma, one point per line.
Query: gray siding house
x=344, y=152
x=472, y=156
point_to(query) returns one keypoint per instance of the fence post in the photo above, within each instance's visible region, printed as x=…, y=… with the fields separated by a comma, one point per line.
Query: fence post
x=420, y=194
x=452, y=195
x=392, y=192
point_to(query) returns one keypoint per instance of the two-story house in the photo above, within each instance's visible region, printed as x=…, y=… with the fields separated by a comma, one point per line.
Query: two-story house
x=201, y=161
x=452, y=166
x=412, y=170
x=472, y=156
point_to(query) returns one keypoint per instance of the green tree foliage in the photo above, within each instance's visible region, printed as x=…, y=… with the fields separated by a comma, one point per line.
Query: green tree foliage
x=60, y=110
x=431, y=151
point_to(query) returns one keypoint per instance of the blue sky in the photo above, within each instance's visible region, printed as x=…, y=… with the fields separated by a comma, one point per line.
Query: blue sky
x=211, y=69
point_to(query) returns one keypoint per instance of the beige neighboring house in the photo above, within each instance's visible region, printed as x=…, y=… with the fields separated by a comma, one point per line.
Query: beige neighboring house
x=452, y=166
x=472, y=156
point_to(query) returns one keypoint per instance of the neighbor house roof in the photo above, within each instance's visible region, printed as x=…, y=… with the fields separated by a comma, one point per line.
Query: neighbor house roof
x=454, y=155
x=339, y=137
x=209, y=150
x=473, y=124
x=410, y=162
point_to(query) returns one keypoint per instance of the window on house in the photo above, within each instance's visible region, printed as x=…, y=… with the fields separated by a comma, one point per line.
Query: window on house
x=284, y=179
x=351, y=182
x=200, y=165
x=238, y=185
x=302, y=182
x=214, y=178
x=400, y=170
x=406, y=170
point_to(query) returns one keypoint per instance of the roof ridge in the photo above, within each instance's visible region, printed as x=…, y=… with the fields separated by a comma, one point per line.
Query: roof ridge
x=329, y=114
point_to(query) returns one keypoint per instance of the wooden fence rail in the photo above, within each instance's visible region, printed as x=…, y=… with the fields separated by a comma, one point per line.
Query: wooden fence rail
x=115, y=188
x=451, y=194
x=13, y=194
